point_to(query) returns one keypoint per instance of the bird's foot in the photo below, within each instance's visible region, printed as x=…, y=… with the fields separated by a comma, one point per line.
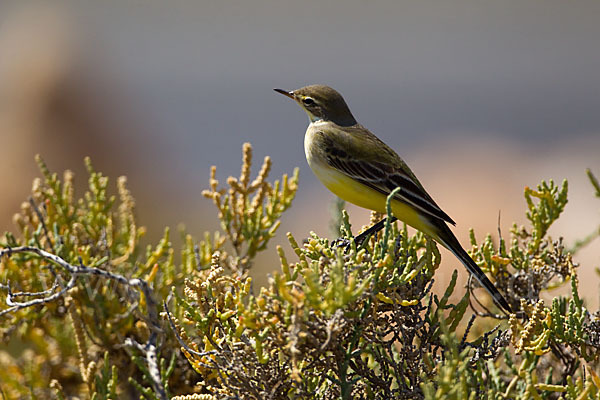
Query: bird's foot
x=342, y=242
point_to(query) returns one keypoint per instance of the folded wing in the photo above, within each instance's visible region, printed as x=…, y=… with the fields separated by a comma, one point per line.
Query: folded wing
x=384, y=178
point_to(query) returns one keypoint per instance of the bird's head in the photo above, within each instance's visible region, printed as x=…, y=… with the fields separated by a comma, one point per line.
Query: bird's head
x=322, y=103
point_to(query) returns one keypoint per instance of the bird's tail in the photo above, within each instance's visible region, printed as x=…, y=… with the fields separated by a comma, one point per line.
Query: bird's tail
x=448, y=240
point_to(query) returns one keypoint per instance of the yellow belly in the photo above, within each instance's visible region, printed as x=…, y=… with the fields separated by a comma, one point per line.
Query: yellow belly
x=363, y=196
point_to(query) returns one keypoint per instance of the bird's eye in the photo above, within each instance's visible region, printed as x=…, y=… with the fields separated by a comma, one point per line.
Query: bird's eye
x=308, y=101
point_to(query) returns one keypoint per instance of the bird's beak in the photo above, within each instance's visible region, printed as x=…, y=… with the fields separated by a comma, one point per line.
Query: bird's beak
x=285, y=93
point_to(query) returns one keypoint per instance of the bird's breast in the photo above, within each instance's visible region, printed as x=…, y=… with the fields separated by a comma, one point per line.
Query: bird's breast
x=313, y=147
x=336, y=181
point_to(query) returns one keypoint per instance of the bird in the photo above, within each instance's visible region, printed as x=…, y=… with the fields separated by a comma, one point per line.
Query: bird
x=359, y=168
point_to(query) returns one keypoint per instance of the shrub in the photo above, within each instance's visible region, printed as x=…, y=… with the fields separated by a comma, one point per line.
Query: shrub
x=91, y=313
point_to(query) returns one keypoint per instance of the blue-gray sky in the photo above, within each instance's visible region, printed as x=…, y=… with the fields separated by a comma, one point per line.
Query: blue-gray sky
x=411, y=70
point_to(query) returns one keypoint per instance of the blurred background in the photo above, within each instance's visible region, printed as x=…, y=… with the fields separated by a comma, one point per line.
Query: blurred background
x=481, y=99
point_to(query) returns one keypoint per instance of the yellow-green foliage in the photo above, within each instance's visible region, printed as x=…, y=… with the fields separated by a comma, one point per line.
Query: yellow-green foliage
x=249, y=211
x=93, y=314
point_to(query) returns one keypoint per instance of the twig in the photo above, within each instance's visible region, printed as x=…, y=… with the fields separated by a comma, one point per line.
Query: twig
x=487, y=312
x=41, y=219
x=182, y=343
x=15, y=305
x=149, y=349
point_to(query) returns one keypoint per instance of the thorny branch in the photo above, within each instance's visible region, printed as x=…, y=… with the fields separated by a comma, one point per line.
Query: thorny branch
x=149, y=348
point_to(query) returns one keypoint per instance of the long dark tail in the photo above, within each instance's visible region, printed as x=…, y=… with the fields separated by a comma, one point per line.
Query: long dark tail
x=445, y=237
x=448, y=240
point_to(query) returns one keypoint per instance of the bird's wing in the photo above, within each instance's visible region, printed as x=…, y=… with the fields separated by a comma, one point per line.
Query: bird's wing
x=384, y=178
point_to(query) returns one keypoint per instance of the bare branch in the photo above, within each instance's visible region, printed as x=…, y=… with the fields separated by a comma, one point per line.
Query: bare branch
x=149, y=349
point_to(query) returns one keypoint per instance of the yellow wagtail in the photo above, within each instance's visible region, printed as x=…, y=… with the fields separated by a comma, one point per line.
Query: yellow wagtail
x=359, y=168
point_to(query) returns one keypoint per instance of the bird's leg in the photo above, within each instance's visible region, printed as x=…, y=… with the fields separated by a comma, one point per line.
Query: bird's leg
x=342, y=242
x=359, y=239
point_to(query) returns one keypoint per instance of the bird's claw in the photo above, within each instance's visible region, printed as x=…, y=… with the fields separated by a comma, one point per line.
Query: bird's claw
x=342, y=242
